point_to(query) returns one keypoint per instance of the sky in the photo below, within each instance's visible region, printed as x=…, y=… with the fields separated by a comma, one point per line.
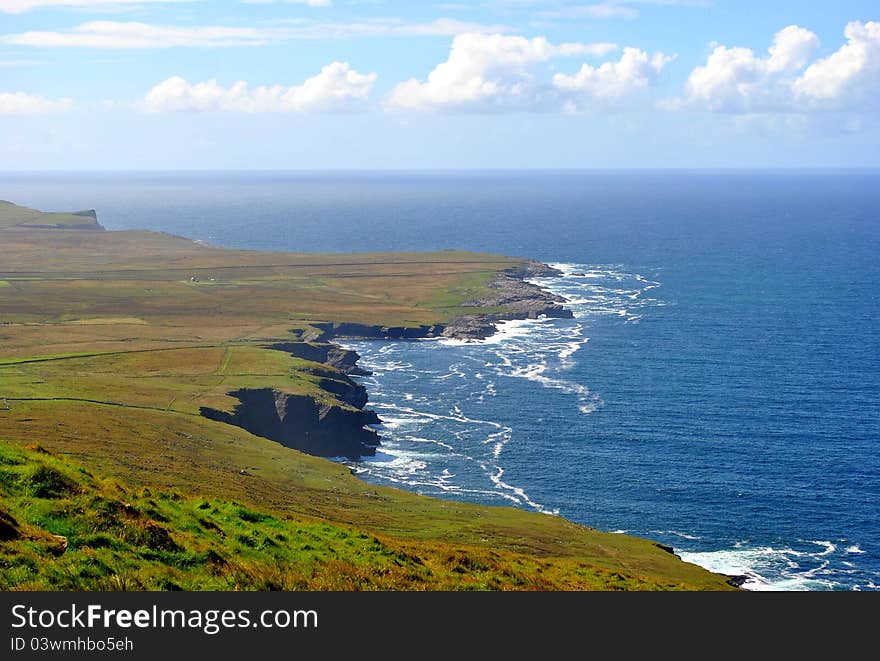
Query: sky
x=381, y=84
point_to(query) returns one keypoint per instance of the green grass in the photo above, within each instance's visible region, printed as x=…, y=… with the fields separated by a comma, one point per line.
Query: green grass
x=196, y=457
x=182, y=380
x=64, y=527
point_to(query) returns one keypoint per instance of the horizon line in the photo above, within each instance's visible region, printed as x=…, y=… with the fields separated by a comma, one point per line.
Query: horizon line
x=816, y=168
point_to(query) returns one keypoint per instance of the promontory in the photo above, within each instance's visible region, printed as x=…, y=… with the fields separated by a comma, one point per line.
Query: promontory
x=161, y=400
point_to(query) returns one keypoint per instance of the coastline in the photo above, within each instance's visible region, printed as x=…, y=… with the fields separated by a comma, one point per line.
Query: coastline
x=333, y=433
x=212, y=328
x=497, y=331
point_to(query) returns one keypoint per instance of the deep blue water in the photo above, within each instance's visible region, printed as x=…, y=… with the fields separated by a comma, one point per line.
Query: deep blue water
x=717, y=389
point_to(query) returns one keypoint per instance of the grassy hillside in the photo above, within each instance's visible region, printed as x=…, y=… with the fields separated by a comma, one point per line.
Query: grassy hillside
x=110, y=344
x=13, y=215
x=65, y=527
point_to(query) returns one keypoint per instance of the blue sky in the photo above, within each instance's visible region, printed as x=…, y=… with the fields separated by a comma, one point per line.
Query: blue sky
x=314, y=84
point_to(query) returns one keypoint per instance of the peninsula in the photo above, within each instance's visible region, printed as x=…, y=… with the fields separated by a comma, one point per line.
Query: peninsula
x=160, y=400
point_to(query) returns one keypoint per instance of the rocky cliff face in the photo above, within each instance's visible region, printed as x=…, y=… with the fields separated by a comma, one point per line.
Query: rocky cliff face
x=302, y=423
x=329, y=331
x=323, y=352
x=333, y=430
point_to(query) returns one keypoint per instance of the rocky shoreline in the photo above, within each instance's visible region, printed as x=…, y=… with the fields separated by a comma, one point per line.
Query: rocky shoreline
x=519, y=298
x=510, y=296
x=341, y=428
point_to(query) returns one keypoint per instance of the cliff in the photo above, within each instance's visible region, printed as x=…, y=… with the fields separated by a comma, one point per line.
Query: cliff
x=302, y=422
x=14, y=216
x=323, y=352
x=334, y=430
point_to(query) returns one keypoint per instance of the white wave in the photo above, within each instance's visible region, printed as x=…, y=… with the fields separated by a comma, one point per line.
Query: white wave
x=433, y=441
x=389, y=366
x=507, y=330
x=596, y=290
x=496, y=479
x=854, y=549
x=569, y=350
x=829, y=547
x=677, y=533
x=413, y=414
x=757, y=563
x=588, y=401
x=429, y=449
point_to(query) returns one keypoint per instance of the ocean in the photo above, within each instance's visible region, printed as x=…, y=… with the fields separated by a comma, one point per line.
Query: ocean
x=716, y=390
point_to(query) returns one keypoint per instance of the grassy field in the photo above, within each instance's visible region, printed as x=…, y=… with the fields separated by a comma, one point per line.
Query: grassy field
x=13, y=215
x=111, y=342
x=65, y=527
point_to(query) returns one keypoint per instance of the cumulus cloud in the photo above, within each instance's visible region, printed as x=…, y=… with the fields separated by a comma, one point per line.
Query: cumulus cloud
x=336, y=88
x=736, y=80
x=611, y=80
x=21, y=6
x=852, y=73
x=20, y=103
x=495, y=72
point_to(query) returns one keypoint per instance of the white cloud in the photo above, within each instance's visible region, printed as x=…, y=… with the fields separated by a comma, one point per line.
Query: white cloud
x=300, y=28
x=134, y=35
x=485, y=73
x=441, y=27
x=336, y=88
x=114, y=34
x=20, y=103
x=736, y=80
x=791, y=50
x=611, y=80
x=21, y=6
x=850, y=74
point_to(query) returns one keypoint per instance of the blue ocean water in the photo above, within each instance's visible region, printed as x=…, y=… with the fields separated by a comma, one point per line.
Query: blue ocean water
x=717, y=389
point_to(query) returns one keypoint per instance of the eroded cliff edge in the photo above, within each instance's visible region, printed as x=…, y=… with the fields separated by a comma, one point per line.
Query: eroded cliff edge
x=509, y=295
x=302, y=422
x=337, y=424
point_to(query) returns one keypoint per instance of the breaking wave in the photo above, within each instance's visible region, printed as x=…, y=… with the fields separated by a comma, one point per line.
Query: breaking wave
x=431, y=396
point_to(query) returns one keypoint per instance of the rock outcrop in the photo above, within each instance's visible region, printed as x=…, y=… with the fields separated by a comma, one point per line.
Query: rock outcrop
x=532, y=268
x=329, y=331
x=518, y=298
x=323, y=352
x=302, y=422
